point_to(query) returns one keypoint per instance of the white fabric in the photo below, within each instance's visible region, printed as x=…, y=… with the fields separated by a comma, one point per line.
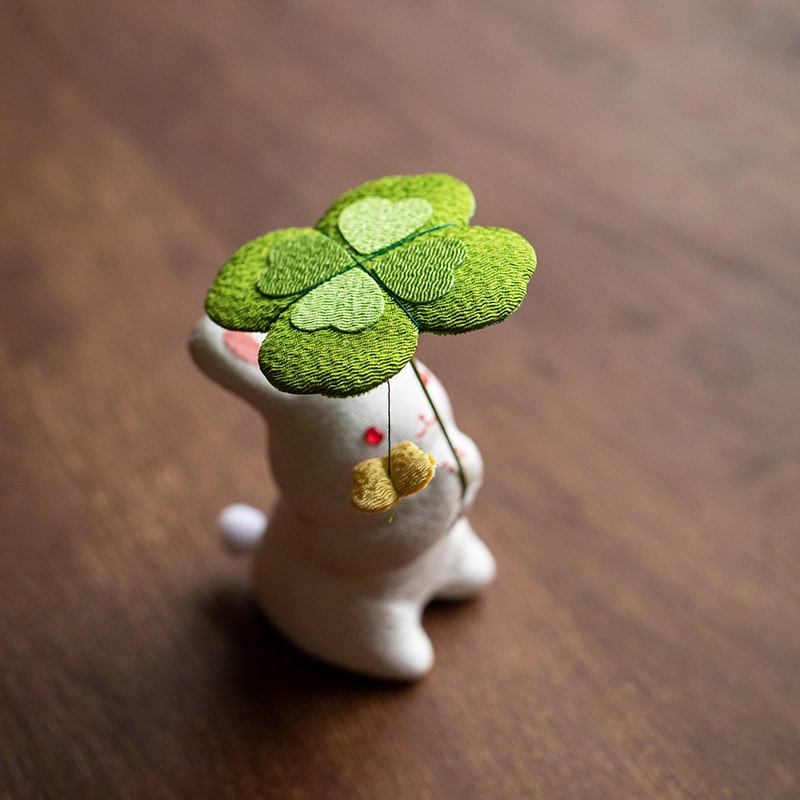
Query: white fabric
x=345, y=586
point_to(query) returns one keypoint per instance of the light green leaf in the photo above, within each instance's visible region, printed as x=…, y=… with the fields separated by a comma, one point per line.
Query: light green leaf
x=348, y=302
x=451, y=200
x=375, y=222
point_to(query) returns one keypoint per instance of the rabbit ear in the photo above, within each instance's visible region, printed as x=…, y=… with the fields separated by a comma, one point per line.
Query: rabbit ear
x=231, y=359
x=243, y=345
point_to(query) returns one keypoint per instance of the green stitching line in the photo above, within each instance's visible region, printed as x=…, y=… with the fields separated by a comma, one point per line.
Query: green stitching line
x=422, y=271
x=360, y=263
x=461, y=474
x=392, y=295
x=408, y=238
x=389, y=428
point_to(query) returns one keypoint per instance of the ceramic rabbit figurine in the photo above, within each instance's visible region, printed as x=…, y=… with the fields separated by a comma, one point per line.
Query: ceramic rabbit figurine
x=345, y=586
x=317, y=328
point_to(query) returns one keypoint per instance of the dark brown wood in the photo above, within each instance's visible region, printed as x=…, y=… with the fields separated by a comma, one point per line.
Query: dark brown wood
x=638, y=416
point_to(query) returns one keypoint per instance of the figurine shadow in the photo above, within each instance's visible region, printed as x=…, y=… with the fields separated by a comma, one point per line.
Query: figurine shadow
x=260, y=662
x=271, y=703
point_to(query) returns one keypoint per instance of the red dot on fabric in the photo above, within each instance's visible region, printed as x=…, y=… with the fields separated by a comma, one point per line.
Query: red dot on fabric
x=373, y=435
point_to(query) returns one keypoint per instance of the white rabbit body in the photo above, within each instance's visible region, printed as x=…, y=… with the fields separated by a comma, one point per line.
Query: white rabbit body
x=345, y=586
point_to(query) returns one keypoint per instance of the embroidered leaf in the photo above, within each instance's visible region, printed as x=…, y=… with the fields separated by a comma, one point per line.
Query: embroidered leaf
x=421, y=270
x=375, y=222
x=234, y=301
x=349, y=302
x=451, y=200
x=333, y=363
x=489, y=284
x=300, y=261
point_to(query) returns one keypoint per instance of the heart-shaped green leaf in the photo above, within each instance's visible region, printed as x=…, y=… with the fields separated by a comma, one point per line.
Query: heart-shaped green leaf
x=337, y=364
x=349, y=302
x=300, y=261
x=489, y=284
x=375, y=222
x=422, y=270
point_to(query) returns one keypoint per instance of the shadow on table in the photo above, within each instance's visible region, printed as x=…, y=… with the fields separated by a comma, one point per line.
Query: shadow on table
x=261, y=662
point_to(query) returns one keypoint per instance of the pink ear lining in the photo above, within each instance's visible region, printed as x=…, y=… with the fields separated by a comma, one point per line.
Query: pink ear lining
x=243, y=345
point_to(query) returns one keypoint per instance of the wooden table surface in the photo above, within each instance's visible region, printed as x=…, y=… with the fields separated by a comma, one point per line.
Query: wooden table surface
x=638, y=415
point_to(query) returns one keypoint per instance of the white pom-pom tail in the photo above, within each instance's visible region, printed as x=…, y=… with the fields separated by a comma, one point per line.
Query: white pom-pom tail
x=241, y=527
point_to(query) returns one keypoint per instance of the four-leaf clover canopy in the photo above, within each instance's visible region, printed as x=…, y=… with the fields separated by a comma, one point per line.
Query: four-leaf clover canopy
x=342, y=304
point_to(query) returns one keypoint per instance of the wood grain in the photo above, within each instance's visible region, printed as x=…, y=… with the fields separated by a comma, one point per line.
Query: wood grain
x=638, y=416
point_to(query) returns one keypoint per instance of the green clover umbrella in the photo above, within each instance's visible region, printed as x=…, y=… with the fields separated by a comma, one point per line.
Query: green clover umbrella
x=342, y=304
